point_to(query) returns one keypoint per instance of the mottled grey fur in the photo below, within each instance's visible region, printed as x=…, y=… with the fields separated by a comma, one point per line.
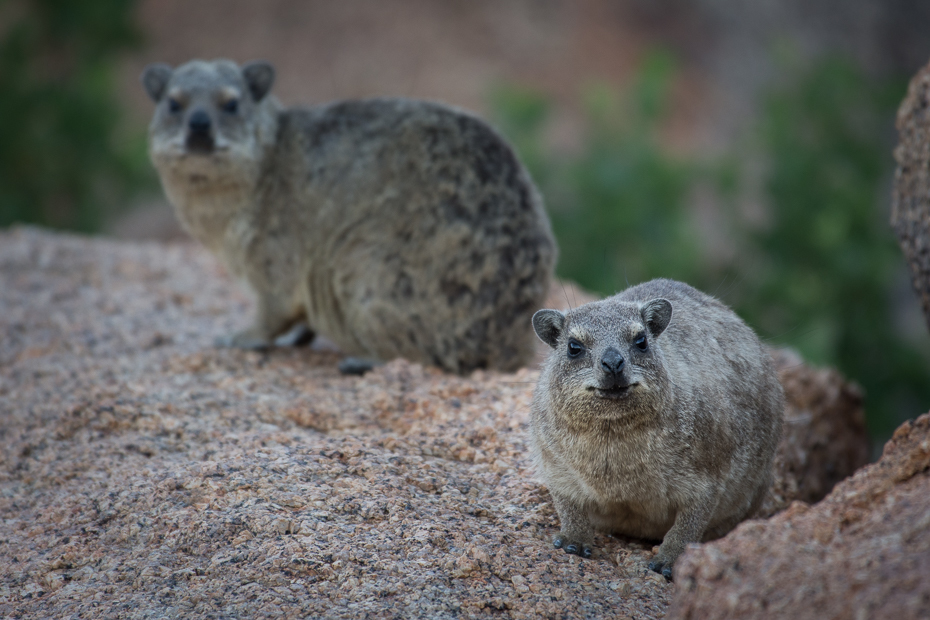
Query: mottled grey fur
x=398, y=228
x=675, y=441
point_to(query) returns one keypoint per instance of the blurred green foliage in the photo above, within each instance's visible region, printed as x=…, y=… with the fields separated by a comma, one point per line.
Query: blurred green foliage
x=64, y=159
x=617, y=206
x=827, y=265
x=819, y=273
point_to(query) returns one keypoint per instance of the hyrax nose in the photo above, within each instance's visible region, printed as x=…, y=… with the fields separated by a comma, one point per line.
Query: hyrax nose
x=612, y=362
x=199, y=122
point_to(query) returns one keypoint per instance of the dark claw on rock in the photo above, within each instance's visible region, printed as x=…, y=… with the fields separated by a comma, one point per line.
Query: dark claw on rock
x=574, y=548
x=356, y=366
x=662, y=568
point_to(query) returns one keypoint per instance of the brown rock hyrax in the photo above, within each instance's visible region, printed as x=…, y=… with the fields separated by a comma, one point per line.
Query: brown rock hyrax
x=397, y=228
x=656, y=415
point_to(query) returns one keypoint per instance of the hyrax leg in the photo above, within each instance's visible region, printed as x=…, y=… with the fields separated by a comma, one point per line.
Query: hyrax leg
x=576, y=534
x=272, y=319
x=690, y=525
x=357, y=365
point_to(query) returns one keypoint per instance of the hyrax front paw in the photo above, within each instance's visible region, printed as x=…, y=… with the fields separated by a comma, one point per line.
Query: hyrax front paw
x=568, y=545
x=356, y=365
x=661, y=566
x=247, y=339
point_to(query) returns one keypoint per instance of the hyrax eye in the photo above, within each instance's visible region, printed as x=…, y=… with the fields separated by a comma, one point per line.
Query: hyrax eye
x=231, y=106
x=575, y=348
x=174, y=105
x=641, y=343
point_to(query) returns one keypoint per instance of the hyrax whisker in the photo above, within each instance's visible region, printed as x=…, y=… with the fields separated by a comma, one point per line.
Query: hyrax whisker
x=565, y=294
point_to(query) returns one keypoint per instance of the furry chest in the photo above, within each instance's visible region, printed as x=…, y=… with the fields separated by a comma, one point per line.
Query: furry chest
x=605, y=472
x=207, y=212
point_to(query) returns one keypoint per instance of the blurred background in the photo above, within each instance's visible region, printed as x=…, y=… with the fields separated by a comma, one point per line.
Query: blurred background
x=744, y=147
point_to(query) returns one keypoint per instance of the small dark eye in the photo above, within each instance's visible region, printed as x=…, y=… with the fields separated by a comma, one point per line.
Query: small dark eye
x=174, y=105
x=231, y=106
x=641, y=343
x=575, y=348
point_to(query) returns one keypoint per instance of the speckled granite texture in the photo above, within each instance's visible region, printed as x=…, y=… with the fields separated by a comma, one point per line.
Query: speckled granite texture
x=145, y=474
x=863, y=552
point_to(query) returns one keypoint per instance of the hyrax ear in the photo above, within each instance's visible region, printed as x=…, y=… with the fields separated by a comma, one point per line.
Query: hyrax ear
x=155, y=78
x=259, y=76
x=548, y=326
x=657, y=314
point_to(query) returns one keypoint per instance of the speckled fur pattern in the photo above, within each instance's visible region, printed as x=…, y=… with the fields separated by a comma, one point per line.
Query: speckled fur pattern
x=678, y=445
x=397, y=228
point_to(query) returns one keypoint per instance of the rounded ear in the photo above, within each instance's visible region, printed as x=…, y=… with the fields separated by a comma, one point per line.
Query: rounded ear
x=548, y=326
x=657, y=314
x=155, y=79
x=259, y=76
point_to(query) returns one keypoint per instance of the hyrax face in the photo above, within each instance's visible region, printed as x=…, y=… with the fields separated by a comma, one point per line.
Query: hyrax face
x=605, y=357
x=206, y=111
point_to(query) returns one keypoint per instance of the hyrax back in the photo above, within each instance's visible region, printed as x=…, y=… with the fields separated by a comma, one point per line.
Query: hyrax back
x=397, y=228
x=657, y=415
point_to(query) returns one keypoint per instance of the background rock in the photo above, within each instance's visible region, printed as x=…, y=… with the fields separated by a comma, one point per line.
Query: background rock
x=824, y=438
x=910, y=204
x=145, y=474
x=863, y=552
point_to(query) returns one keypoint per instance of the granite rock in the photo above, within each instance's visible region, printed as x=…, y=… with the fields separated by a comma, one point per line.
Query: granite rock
x=146, y=474
x=910, y=197
x=863, y=552
x=824, y=438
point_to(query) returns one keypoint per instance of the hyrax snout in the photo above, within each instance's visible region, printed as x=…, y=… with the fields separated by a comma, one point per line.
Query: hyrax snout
x=656, y=415
x=208, y=109
x=397, y=228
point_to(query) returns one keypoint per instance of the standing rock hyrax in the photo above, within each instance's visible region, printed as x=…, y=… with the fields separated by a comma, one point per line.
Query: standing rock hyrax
x=656, y=415
x=398, y=228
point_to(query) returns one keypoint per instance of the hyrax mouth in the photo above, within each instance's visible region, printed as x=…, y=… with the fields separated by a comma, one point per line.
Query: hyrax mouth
x=199, y=143
x=614, y=392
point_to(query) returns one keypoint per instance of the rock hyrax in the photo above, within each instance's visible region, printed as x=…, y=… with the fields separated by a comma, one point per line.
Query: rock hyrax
x=398, y=228
x=656, y=415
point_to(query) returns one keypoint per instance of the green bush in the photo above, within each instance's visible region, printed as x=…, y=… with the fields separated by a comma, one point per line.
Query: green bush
x=826, y=264
x=64, y=161
x=819, y=274
x=619, y=207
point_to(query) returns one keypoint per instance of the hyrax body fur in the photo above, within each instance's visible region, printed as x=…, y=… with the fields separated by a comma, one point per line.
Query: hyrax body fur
x=398, y=228
x=657, y=415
